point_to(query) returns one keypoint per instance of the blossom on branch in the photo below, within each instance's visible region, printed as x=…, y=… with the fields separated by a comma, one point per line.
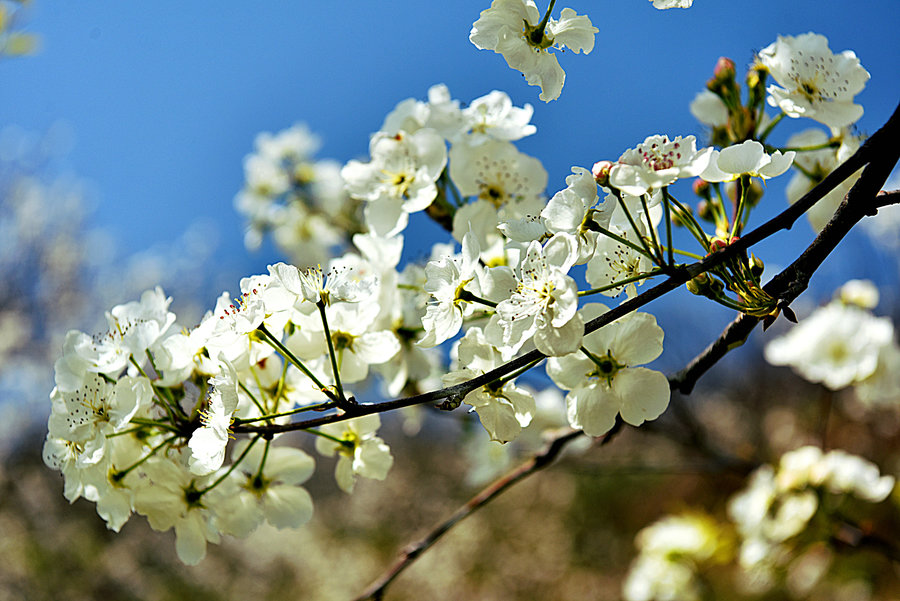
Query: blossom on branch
x=514, y=29
x=814, y=82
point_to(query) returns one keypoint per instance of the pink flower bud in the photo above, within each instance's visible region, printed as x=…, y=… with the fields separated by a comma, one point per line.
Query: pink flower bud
x=600, y=171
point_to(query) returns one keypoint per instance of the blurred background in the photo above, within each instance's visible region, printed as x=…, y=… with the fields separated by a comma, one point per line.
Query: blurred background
x=122, y=134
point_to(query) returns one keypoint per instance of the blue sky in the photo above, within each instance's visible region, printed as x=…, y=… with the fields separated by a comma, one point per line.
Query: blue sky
x=164, y=98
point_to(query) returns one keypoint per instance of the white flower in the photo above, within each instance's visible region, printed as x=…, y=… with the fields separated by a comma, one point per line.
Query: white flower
x=448, y=279
x=495, y=116
x=503, y=410
x=399, y=179
x=545, y=301
x=815, y=166
x=509, y=27
x=506, y=184
x=570, y=211
x=837, y=345
x=657, y=162
x=269, y=491
x=709, y=109
x=360, y=454
x=208, y=442
x=815, y=83
x=664, y=4
x=605, y=382
x=747, y=158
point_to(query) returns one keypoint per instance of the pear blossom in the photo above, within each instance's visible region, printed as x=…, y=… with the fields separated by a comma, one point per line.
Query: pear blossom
x=837, y=345
x=664, y=4
x=172, y=502
x=669, y=553
x=778, y=504
x=267, y=491
x=545, y=301
x=494, y=116
x=293, y=197
x=657, y=162
x=361, y=453
x=746, y=158
x=814, y=82
x=571, y=210
x=817, y=164
x=514, y=29
x=448, y=279
x=208, y=442
x=709, y=109
x=399, y=179
x=606, y=381
x=503, y=410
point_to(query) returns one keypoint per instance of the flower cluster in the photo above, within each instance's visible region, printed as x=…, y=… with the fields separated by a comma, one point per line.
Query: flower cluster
x=779, y=504
x=142, y=413
x=843, y=344
x=772, y=522
x=300, y=201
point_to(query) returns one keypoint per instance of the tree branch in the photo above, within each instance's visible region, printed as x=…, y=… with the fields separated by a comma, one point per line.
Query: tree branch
x=554, y=446
x=879, y=153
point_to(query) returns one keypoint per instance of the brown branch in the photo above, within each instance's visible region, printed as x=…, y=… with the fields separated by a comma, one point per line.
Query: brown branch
x=863, y=199
x=534, y=464
x=787, y=285
x=879, y=153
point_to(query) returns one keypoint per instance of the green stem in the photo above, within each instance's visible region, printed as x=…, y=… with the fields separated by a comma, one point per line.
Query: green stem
x=622, y=282
x=334, y=363
x=667, y=209
x=695, y=228
x=652, y=229
x=634, y=226
x=230, y=469
x=620, y=239
x=500, y=383
x=253, y=396
x=262, y=461
x=770, y=127
x=744, y=183
x=822, y=146
x=275, y=343
x=122, y=473
x=539, y=28
x=330, y=437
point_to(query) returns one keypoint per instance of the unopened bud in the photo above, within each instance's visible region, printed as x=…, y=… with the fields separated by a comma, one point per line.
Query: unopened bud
x=717, y=244
x=600, y=171
x=756, y=84
x=724, y=69
x=679, y=218
x=698, y=285
x=701, y=188
x=705, y=211
x=756, y=266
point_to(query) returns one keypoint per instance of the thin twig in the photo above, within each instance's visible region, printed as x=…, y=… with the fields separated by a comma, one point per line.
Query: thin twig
x=534, y=464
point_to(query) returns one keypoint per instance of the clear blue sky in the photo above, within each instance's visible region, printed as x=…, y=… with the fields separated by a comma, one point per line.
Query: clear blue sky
x=165, y=98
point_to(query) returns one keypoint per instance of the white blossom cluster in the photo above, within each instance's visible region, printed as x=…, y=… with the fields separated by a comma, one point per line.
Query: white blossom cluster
x=779, y=504
x=843, y=344
x=142, y=413
x=300, y=201
x=812, y=82
x=768, y=518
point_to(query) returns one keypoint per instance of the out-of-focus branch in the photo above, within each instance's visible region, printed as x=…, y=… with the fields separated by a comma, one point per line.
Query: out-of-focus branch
x=534, y=464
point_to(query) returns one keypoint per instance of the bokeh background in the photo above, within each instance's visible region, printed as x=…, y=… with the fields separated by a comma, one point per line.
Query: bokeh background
x=121, y=145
